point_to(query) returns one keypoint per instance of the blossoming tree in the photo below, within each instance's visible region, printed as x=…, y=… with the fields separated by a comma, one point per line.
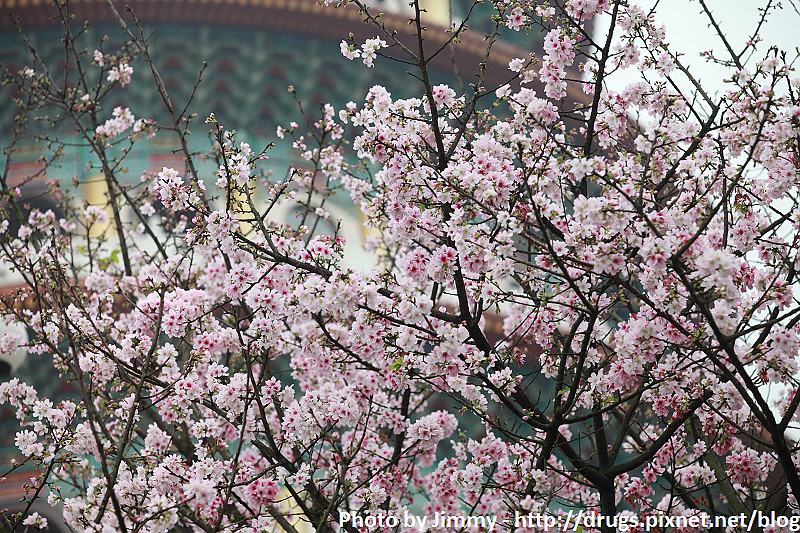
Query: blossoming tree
x=577, y=303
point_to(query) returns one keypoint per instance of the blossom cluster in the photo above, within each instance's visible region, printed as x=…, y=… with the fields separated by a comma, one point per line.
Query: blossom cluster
x=368, y=50
x=569, y=306
x=114, y=127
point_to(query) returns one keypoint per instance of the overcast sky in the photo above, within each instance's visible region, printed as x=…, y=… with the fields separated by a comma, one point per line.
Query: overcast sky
x=688, y=31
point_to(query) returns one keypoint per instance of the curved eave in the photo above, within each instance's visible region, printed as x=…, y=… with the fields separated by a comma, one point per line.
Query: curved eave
x=301, y=17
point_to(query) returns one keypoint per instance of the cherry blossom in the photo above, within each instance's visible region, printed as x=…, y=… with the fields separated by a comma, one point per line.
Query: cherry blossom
x=571, y=304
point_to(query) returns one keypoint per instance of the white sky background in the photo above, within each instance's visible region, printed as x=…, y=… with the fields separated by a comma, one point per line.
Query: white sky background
x=689, y=32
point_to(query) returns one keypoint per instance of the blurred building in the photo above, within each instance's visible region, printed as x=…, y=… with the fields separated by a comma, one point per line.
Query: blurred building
x=254, y=49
